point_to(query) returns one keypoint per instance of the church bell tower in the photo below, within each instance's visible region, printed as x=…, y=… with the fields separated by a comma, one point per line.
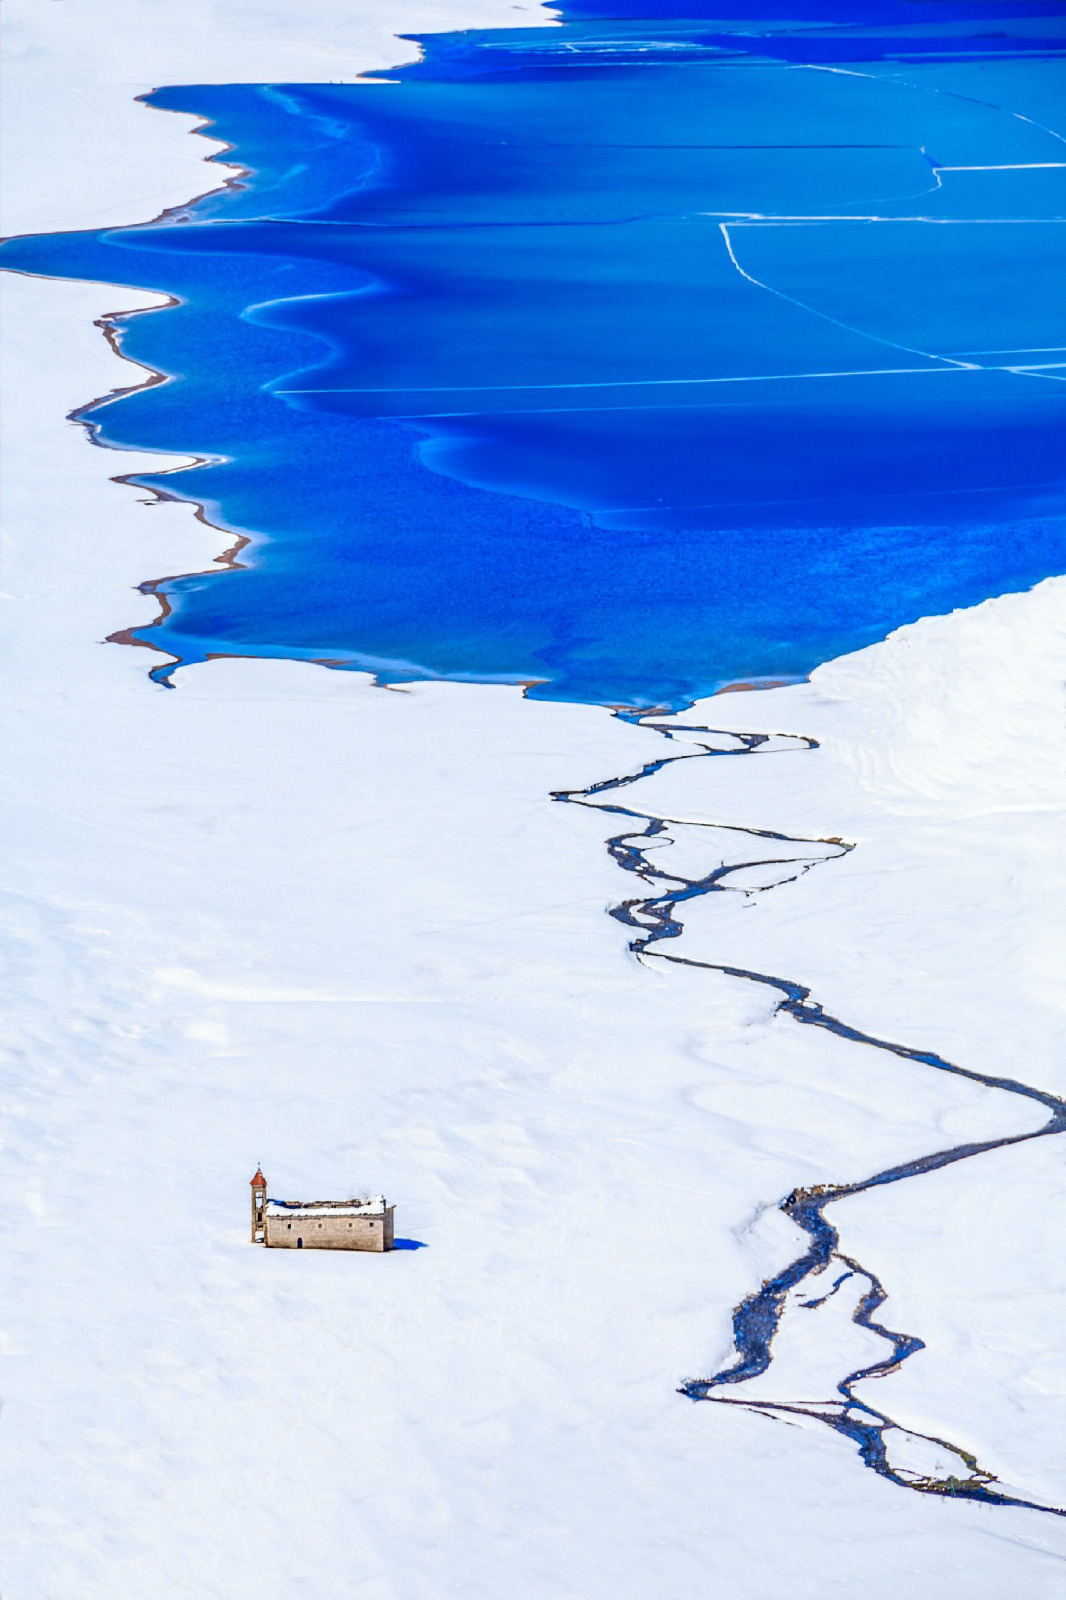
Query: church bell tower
x=259, y=1194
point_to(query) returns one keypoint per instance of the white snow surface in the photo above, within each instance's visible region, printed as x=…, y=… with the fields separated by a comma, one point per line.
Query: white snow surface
x=374, y=1207
x=282, y=915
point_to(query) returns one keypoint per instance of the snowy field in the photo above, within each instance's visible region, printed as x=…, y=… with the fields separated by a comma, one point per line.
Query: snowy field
x=280, y=915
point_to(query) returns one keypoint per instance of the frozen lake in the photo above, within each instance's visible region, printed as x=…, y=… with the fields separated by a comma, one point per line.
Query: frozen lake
x=631, y=356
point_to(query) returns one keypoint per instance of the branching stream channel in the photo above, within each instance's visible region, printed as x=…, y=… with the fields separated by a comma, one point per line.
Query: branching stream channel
x=758, y=1318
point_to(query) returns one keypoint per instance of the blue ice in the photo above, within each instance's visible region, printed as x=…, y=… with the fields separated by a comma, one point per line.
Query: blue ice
x=627, y=358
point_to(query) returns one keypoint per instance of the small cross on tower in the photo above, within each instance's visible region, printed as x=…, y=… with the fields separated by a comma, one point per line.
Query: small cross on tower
x=259, y=1194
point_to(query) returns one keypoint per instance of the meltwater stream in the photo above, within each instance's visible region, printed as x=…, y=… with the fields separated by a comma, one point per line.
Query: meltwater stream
x=757, y=1319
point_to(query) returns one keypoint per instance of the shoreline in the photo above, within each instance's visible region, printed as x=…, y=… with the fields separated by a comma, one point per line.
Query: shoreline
x=420, y=988
x=228, y=558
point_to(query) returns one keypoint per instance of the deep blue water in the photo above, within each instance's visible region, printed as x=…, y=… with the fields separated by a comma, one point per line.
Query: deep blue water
x=634, y=356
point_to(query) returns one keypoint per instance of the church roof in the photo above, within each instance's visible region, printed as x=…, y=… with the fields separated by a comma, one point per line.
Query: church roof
x=375, y=1206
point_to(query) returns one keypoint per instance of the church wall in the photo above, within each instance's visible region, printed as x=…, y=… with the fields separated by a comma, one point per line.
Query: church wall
x=331, y=1233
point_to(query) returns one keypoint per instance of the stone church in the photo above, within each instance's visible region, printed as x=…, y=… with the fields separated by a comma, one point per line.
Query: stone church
x=320, y=1224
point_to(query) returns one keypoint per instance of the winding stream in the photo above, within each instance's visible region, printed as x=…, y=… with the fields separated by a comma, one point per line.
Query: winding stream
x=758, y=1318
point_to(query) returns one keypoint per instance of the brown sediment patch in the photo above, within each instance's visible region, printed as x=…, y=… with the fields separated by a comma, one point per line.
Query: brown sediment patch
x=110, y=326
x=333, y=663
x=170, y=213
x=228, y=558
x=742, y=685
x=751, y=685
x=235, y=181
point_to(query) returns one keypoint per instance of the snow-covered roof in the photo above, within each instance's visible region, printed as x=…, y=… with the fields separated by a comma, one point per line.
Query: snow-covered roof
x=373, y=1207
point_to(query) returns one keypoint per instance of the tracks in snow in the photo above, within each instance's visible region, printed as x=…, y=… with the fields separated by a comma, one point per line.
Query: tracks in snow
x=758, y=1318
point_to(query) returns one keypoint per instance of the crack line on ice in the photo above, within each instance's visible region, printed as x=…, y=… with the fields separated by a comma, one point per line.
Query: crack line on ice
x=758, y=1318
x=848, y=327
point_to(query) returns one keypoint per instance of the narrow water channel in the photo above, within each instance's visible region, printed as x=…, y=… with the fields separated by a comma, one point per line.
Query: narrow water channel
x=881, y=1441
